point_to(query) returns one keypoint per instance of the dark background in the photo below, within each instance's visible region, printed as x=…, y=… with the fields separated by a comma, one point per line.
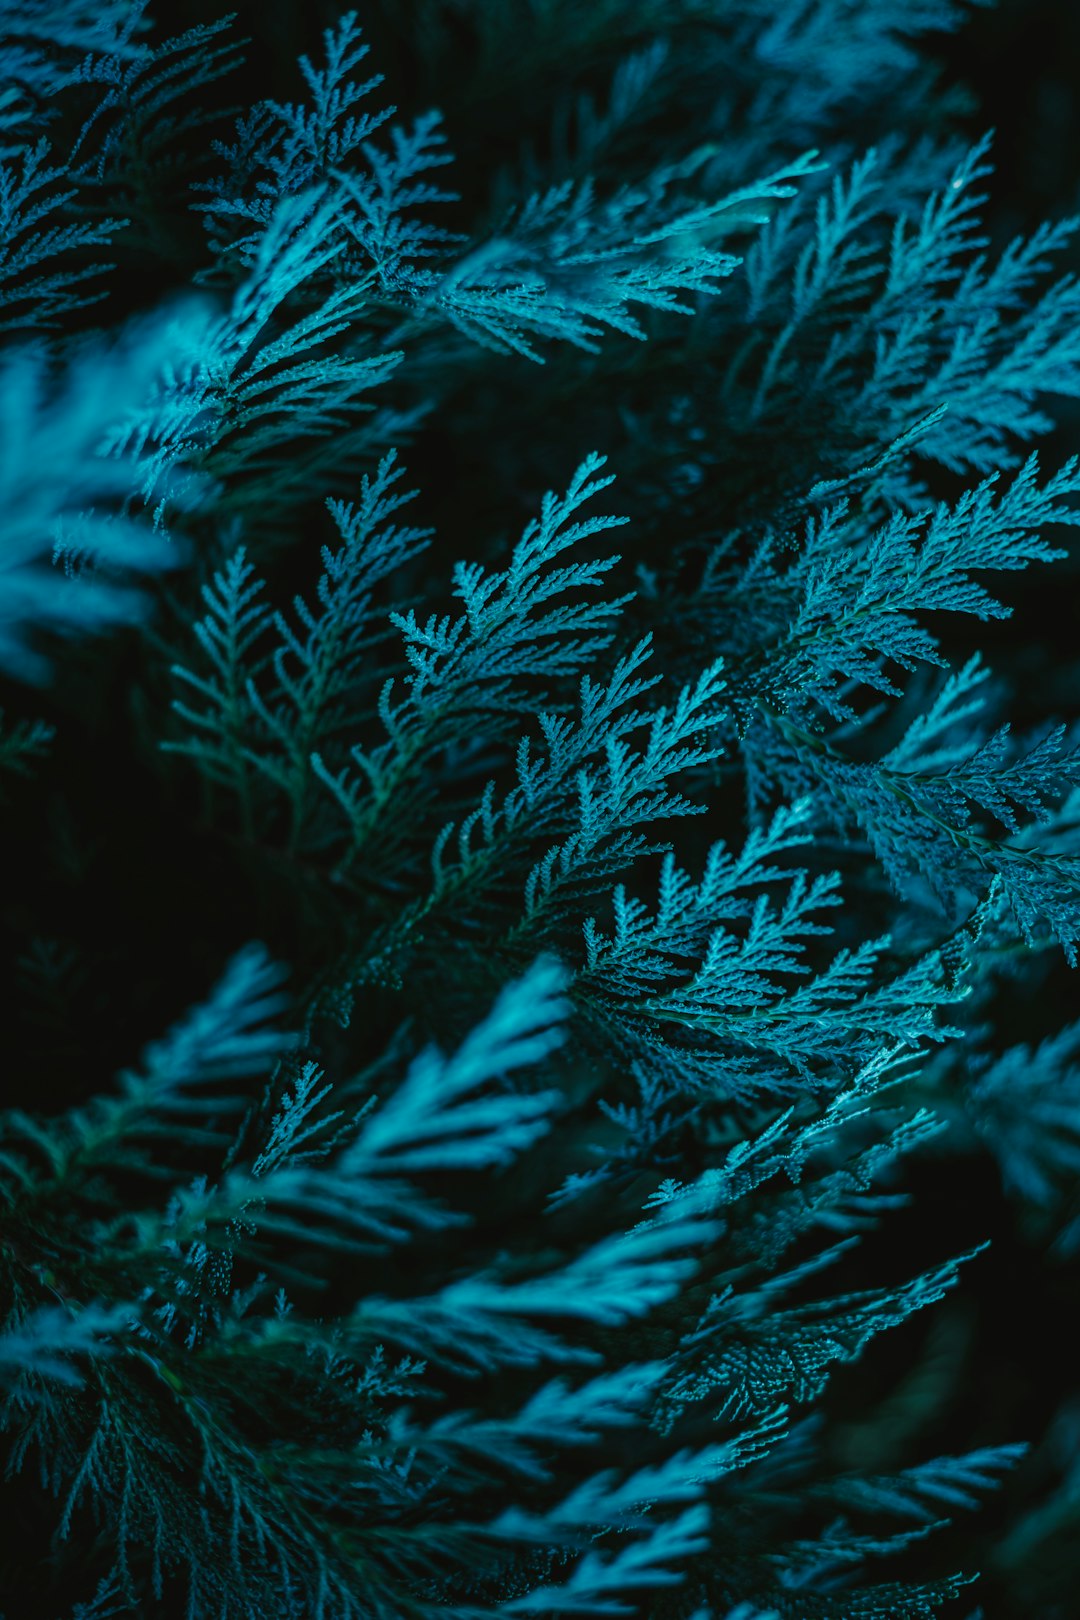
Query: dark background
x=998, y=1362
x=1011, y=1338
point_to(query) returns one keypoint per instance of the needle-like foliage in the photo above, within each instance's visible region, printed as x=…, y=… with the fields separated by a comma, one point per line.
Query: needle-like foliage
x=654, y=921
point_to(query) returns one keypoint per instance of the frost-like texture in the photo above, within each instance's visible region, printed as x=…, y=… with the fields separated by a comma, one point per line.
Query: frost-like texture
x=653, y=920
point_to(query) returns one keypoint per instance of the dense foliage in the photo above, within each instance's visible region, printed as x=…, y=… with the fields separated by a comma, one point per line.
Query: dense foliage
x=502, y=619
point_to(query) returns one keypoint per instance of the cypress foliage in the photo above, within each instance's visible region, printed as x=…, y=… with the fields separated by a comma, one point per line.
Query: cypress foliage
x=538, y=877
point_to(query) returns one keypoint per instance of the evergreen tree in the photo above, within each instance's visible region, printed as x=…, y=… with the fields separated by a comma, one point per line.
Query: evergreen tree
x=578, y=951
